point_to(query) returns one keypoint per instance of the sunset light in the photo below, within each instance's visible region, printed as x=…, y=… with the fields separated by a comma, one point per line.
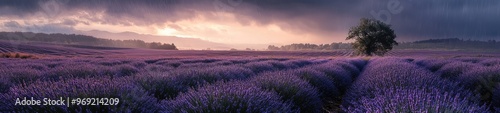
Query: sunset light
x=249, y=56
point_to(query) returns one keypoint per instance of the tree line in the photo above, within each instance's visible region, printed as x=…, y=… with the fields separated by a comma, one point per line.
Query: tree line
x=444, y=44
x=307, y=46
x=74, y=39
x=452, y=44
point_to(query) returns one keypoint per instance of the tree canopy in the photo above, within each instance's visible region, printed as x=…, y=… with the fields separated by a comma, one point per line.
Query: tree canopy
x=372, y=37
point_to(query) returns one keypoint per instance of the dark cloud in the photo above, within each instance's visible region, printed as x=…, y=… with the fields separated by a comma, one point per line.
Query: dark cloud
x=419, y=19
x=21, y=7
x=11, y=24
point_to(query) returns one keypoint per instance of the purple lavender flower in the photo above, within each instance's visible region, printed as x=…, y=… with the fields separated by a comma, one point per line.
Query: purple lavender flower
x=139, y=65
x=432, y=64
x=495, y=102
x=158, y=68
x=72, y=70
x=470, y=59
x=132, y=98
x=383, y=74
x=341, y=77
x=490, y=62
x=323, y=83
x=229, y=97
x=353, y=70
x=400, y=99
x=291, y=88
x=454, y=69
x=282, y=65
x=258, y=67
x=125, y=70
x=298, y=63
x=169, y=84
x=482, y=80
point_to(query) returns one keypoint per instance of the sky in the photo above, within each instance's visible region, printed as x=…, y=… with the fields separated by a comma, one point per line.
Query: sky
x=253, y=22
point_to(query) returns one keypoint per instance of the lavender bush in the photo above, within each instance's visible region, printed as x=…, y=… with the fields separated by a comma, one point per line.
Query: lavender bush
x=490, y=62
x=359, y=63
x=68, y=71
x=341, y=77
x=4, y=85
x=483, y=81
x=232, y=97
x=453, y=69
x=353, y=70
x=432, y=64
x=139, y=65
x=125, y=70
x=495, y=102
x=258, y=67
x=470, y=59
x=161, y=86
x=108, y=62
x=132, y=99
x=291, y=88
x=384, y=74
x=158, y=68
x=20, y=75
x=170, y=63
x=281, y=65
x=224, y=63
x=169, y=85
x=239, y=61
x=416, y=100
x=200, y=60
x=298, y=63
x=386, y=84
x=323, y=83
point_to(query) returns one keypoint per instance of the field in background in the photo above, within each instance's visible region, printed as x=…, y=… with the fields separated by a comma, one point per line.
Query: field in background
x=46, y=50
x=254, y=81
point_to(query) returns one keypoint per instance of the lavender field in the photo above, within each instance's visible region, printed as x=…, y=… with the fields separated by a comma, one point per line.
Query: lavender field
x=250, y=81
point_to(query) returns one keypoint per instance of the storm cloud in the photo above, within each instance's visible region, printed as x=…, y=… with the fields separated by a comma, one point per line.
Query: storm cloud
x=415, y=19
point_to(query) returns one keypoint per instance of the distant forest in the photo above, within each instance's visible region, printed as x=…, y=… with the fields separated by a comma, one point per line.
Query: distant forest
x=443, y=44
x=73, y=39
x=307, y=46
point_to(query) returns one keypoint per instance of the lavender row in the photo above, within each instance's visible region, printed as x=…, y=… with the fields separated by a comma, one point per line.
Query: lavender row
x=408, y=85
x=257, y=85
x=299, y=90
x=147, y=85
x=15, y=71
x=481, y=75
x=132, y=98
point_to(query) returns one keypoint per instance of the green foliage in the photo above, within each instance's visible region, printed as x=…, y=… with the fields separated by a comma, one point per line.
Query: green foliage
x=372, y=37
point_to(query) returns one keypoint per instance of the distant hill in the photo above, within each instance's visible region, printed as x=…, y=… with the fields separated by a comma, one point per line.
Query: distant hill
x=431, y=44
x=182, y=43
x=84, y=40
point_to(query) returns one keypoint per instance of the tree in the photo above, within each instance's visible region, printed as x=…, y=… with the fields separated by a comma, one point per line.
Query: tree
x=372, y=37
